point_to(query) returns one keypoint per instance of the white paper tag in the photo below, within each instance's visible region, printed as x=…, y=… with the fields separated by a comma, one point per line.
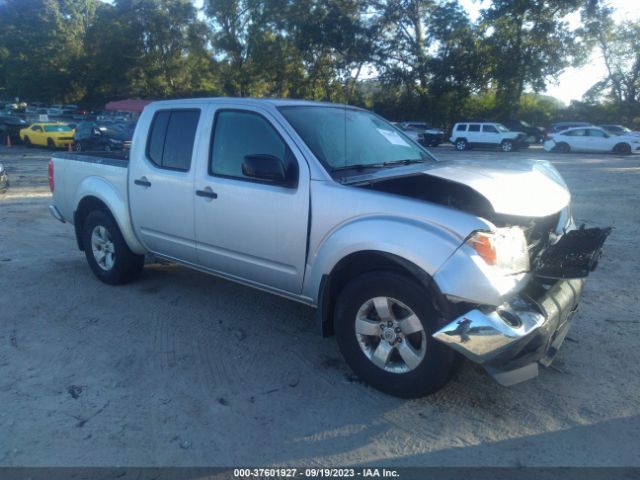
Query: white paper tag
x=393, y=137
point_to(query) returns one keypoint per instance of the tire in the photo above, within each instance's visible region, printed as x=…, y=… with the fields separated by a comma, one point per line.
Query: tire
x=77, y=146
x=430, y=363
x=563, y=148
x=106, y=147
x=51, y=144
x=26, y=141
x=507, y=146
x=101, y=234
x=622, y=149
x=461, y=144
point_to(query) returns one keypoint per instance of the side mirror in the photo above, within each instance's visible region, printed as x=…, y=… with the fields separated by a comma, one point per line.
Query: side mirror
x=264, y=167
x=96, y=132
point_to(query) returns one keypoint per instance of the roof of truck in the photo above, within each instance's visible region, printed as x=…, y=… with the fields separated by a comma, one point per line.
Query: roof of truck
x=277, y=102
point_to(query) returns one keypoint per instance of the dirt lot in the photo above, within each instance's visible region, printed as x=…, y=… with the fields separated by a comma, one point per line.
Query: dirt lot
x=185, y=369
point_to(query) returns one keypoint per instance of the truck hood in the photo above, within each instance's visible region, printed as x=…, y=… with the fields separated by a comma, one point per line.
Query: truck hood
x=531, y=188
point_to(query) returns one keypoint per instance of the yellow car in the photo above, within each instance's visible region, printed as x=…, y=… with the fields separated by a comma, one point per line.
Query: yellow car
x=52, y=135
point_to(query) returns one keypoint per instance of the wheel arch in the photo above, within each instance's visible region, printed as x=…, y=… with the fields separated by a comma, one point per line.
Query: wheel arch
x=358, y=263
x=96, y=194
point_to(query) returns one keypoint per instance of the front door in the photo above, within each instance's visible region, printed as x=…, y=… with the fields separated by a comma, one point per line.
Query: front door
x=245, y=228
x=161, y=185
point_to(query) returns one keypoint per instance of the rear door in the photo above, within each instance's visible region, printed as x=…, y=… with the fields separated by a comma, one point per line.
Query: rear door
x=245, y=228
x=474, y=135
x=161, y=184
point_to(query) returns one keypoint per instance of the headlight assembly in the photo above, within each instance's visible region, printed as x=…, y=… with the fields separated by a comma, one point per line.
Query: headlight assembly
x=505, y=249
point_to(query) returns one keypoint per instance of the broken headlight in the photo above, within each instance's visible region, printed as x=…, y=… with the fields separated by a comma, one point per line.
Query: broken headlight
x=504, y=248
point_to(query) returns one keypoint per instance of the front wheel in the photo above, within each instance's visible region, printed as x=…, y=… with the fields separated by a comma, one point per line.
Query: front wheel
x=51, y=144
x=507, y=146
x=384, y=324
x=77, y=146
x=622, y=149
x=108, y=255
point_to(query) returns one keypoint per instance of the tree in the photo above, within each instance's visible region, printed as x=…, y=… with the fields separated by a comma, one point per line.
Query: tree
x=149, y=48
x=41, y=42
x=529, y=42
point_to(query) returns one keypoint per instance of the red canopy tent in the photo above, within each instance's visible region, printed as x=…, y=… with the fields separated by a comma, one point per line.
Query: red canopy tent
x=128, y=105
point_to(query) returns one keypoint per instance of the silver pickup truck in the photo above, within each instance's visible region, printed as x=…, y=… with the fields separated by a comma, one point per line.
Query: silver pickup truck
x=409, y=261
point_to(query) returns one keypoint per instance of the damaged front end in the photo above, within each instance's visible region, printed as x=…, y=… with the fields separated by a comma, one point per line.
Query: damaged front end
x=510, y=340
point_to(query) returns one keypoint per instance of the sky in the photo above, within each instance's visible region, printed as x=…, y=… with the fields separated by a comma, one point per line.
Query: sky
x=574, y=82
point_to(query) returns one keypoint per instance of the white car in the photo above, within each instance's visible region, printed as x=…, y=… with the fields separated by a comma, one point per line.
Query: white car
x=591, y=139
x=486, y=134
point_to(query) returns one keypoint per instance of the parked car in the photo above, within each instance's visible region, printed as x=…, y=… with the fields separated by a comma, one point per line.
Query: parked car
x=100, y=137
x=618, y=130
x=407, y=259
x=11, y=125
x=51, y=135
x=55, y=110
x=534, y=134
x=4, y=179
x=591, y=139
x=486, y=134
x=423, y=133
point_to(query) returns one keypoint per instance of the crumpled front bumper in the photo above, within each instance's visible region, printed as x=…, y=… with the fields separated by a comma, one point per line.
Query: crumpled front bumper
x=512, y=339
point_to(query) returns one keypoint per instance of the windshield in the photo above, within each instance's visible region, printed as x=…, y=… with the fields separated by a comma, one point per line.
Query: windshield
x=57, y=128
x=342, y=138
x=502, y=128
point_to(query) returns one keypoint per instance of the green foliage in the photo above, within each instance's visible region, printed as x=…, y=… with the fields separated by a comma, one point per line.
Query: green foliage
x=406, y=59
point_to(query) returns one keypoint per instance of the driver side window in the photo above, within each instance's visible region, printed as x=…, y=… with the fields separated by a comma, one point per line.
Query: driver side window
x=238, y=133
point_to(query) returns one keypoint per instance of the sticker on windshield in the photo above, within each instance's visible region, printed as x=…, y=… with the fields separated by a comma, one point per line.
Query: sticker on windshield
x=393, y=137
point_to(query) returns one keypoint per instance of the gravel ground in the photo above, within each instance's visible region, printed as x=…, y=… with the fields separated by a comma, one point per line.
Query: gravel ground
x=185, y=369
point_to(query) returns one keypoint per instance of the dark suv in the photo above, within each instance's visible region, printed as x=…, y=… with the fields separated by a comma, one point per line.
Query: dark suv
x=93, y=136
x=534, y=134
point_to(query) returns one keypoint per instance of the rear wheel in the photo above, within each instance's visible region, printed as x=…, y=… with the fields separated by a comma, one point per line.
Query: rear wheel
x=384, y=324
x=108, y=254
x=461, y=144
x=26, y=141
x=622, y=149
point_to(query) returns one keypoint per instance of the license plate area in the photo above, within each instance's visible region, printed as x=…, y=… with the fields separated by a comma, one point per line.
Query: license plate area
x=574, y=256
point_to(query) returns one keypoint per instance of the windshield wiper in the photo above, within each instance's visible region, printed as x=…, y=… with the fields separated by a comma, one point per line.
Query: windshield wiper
x=402, y=162
x=362, y=166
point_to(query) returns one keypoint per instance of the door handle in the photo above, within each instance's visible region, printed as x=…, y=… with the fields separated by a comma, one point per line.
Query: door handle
x=143, y=182
x=207, y=193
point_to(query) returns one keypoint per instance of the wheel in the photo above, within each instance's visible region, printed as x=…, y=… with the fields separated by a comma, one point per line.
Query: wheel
x=622, y=149
x=50, y=144
x=563, y=148
x=461, y=144
x=26, y=141
x=384, y=324
x=107, y=253
x=77, y=146
x=107, y=147
x=507, y=146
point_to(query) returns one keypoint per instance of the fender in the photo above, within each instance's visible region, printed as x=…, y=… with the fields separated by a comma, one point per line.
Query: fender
x=424, y=245
x=97, y=187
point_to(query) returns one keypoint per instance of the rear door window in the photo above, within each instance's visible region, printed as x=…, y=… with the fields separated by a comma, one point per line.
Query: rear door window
x=171, y=138
x=474, y=128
